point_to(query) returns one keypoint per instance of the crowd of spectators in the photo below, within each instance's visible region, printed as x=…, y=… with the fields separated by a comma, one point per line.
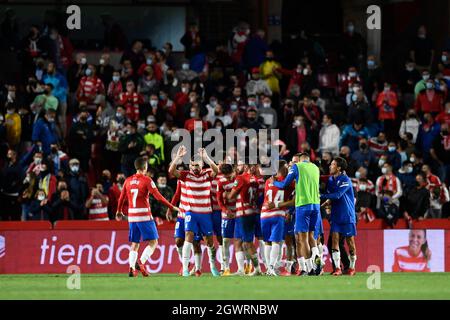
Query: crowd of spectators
x=71, y=128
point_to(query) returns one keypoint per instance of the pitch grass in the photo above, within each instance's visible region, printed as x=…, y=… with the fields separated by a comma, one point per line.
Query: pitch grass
x=169, y=286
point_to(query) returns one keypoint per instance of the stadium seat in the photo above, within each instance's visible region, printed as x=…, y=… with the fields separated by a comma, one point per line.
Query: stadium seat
x=25, y=225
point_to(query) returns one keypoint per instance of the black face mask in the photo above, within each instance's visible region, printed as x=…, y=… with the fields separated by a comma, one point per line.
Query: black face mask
x=54, y=150
x=363, y=146
x=444, y=132
x=269, y=58
x=121, y=180
x=342, y=155
x=251, y=119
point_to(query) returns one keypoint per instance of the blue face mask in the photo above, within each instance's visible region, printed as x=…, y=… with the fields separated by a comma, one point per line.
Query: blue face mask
x=149, y=61
x=116, y=78
x=371, y=63
x=429, y=85
x=391, y=149
x=88, y=72
x=354, y=98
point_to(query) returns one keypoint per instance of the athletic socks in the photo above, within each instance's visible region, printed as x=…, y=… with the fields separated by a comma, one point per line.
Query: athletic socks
x=320, y=247
x=309, y=265
x=352, y=261
x=336, y=255
x=240, y=260
x=187, y=248
x=180, y=253
x=212, y=256
x=274, y=255
x=226, y=253
x=255, y=261
x=302, y=263
x=132, y=257
x=262, y=251
x=198, y=261
x=267, y=251
x=289, y=264
x=314, y=252
x=222, y=265
x=148, y=251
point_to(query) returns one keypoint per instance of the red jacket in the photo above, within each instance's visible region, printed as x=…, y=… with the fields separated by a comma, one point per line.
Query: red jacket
x=387, y=108
x=113, y=196
x=423, y=104
x=443, y=117
x=131, y=102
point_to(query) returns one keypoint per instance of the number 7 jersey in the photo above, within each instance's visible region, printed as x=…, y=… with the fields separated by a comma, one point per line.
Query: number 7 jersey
x=137, y=190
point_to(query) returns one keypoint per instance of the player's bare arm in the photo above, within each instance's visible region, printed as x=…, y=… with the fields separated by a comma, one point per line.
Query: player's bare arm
x=206, y=159
x=173, y=171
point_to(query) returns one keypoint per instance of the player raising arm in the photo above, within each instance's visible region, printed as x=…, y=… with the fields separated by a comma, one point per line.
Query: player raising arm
x=137, y=189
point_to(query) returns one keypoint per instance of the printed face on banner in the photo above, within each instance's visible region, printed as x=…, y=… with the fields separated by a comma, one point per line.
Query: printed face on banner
x=414, y=250
x=2, y=246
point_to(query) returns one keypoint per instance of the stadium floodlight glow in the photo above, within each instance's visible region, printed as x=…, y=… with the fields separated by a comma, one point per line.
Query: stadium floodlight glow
x=251, y=147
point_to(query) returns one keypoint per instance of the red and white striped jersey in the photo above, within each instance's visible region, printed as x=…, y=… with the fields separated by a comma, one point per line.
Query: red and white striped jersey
x=91, y=86
x=275, y=195
x=261, y=187
x=370, y=185
x=404, y=262
x=176, y=199
x=137, y=189
x=98, y=211
x=225, y=185
x=246, y=185
x=214, y=203
x=377, y=147
x=195, y=194
x=131, y=102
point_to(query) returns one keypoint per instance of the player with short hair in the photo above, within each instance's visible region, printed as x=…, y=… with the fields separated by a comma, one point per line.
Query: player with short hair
x=196, y=201
x=273, y=219
x=228, y=210
x=245, y=190
x=343, y=214
x=136, y=189
x=307, y=211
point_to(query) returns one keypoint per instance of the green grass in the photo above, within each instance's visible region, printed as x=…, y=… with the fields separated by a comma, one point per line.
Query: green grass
x=169, y=286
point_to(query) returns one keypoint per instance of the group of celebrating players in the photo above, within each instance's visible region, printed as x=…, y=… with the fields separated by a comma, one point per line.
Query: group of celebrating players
x=236, y=205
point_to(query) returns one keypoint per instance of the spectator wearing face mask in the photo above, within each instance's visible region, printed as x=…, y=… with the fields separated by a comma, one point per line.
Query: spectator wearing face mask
x=268, y=114
x=105, y=69
x=329, y=136
x=430, y=100
x=46, y=100
x=147, y=85
x=388, y=182
x=352, y=134
x=393, y=157
x=428, y=132
x=58, y=90
x=154, y=137
x=387, y=104
x=349, y=81
x=39, y=208
x=167, y=193
x=256, y=86
x=46, y=180
x=365, y=200
x=407, y=176
x=44, y=130
x=64, y=205
x=421, y=85
x=269, y=72
x=417, y=201
x=440, y=152
x=185, y=73
x=97, y=204
x=364, y=157
x=411, y=124
x=361, y=175
x=217, y=112
x=114, y=194
x=80, y=140
x=408, y=78
x=422, y=50
x=297, y=134
x=130, y=145
x=91, y=90
x=359, y=109
x=76, y=71
x=77, y=187
x=13, y=125
x=372, y=75
x=131, y=101
x=115, y=88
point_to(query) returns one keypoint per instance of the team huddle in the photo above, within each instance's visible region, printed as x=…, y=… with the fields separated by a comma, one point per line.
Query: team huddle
x=236, y=205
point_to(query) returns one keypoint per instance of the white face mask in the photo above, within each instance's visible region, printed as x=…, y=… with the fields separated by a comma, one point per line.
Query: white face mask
x=409, y=169
x=37, y=161
x=83, y=60
x=352, y=74
x=185, y=66
x=161, y=185
x=297, y=123
x=154, y=103
x=426, y=77
x=266, y=105
x=305, y=72
x=357, y=174
x=75, y=169
x=381, y=162
x=412, y=159
x=41, y=197
x=192, y=114
x=116, y=78
x=383, y=170
x=184, y=89
x=102, y=61
x=363, y=187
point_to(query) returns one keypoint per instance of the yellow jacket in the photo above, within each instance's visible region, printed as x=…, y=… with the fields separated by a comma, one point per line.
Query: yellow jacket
x=13, y=128
x=267, y=70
